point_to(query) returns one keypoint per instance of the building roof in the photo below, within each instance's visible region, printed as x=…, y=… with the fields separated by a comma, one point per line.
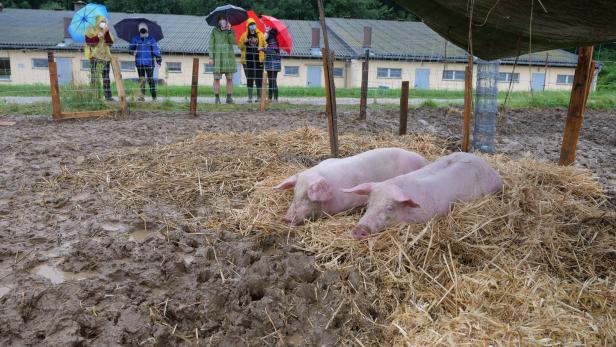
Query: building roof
x=392, y=40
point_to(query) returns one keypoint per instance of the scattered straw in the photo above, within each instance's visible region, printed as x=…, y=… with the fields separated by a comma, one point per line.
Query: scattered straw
x=534, y=265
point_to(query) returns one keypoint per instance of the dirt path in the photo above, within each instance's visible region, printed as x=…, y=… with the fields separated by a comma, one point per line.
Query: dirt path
x=74, y=270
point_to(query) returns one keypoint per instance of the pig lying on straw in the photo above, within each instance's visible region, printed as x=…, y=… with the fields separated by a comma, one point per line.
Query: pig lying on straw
x=418, y=196
x=318, y=190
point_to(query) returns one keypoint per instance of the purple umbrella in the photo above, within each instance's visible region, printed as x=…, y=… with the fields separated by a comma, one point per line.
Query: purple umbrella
x=128, y=28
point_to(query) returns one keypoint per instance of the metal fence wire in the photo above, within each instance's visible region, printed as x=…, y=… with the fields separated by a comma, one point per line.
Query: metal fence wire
x=486, y=105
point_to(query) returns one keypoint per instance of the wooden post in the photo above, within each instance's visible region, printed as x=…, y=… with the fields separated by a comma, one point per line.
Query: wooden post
x=117, y=75
x=329, y=79
x=591, y=76
x=327, y=94
x=365, y=67
x=468, y=105
x=363, y=100
x=404, y=107
x=194, y=87
x=56, y=106
x=263, y=92
x=577, y=105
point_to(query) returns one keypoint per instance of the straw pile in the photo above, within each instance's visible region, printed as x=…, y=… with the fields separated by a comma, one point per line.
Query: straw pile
x=534, y=265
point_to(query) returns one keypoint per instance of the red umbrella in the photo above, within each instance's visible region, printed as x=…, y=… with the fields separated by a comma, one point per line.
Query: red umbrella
x=241, y=28
x=285, y=40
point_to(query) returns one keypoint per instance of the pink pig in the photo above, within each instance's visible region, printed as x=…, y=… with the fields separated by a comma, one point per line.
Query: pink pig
x=317, y=191
x=418, y=196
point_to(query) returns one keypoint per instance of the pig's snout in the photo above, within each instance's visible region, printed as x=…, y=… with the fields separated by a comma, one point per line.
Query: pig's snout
x=292, y=220
x=360, y=232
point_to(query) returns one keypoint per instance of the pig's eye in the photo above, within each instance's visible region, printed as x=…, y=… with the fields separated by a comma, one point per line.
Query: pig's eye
x=389, y=208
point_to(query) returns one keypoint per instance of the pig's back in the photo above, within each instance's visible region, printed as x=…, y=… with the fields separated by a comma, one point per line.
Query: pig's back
x=456, y=176
x=376, y=165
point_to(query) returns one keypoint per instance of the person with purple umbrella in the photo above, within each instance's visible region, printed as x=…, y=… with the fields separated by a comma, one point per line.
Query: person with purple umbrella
x=145, y=49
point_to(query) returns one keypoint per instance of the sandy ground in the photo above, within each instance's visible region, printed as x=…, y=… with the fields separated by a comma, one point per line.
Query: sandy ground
x=75, y=271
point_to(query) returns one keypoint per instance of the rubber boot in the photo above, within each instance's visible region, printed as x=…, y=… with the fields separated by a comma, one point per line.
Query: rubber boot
x=250, y=90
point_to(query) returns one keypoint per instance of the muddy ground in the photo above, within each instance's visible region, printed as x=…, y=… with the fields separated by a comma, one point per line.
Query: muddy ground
x=74, y=271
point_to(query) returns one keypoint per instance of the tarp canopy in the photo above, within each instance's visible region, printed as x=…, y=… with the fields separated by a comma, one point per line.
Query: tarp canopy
x=502, y=28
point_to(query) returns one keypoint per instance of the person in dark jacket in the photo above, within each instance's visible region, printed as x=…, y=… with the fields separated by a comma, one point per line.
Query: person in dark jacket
x=252, y=59
x=272, y=63
x=146, y=52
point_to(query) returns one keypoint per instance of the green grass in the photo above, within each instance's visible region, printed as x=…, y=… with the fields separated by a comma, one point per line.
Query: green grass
x=597, y=100
x=82, y=98
x=184, y=91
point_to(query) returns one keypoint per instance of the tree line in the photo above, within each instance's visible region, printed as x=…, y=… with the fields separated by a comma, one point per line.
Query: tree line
x=285, y=9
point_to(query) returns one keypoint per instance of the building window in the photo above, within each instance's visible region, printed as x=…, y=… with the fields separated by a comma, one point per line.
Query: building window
x=208, y=68
x=453, y=75
x=338, y=72
x=564, y=79
x=5, y=69
x=174, y=67
x=291, y=70
x=509, y=77
x=388, y=73
x=40, y=63
x=127, y=65
x=85, y=65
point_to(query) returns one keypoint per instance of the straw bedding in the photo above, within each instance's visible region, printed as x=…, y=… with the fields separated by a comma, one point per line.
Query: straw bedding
x=534, y=265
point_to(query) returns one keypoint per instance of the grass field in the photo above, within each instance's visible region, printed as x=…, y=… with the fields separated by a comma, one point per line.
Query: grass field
x=80, y=99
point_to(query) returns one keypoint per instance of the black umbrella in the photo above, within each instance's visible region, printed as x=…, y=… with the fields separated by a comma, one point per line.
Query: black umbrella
x=128, y=28
x=234, y=15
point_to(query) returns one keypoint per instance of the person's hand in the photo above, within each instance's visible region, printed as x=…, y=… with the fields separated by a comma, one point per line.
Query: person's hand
x=101, y=34
x=211, y=62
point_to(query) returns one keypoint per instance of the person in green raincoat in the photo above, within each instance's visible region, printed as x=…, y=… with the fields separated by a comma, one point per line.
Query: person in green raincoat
x=222, y=57
x=98, y=41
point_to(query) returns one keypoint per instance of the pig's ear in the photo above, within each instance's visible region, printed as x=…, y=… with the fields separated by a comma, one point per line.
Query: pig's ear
x=362, y=189
x=289, y=183
x=320, y=190
x=405, y=200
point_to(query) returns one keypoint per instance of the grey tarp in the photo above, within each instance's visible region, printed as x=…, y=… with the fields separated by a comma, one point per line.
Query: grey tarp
x=502, y=28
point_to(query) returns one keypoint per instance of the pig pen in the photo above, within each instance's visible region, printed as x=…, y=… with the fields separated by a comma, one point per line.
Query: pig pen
x=181, y=242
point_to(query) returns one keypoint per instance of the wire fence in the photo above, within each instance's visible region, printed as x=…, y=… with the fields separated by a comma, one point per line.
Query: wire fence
x=87, y=84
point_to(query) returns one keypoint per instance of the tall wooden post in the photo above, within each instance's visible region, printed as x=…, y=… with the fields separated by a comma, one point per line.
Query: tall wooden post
x=582, y=82
x=117, y=76
x=328, y=100
x=329, y=78
x=56, y=106
x=404, y=107
x=468, y=105
x=365, y=67
x=194, y=87
x=263, y=92
x=363, y=99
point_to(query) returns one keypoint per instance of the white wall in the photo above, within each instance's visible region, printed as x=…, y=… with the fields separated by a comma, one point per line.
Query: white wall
x=24, y=73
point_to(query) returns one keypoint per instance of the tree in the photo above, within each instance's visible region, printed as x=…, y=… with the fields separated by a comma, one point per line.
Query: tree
x=285, y=9
x=52, y=6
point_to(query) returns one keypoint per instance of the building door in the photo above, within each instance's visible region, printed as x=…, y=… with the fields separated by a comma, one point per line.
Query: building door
x=65, y=70
x=314, y=76
x=237, y=76
x=538, y=82
x=422, y=79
